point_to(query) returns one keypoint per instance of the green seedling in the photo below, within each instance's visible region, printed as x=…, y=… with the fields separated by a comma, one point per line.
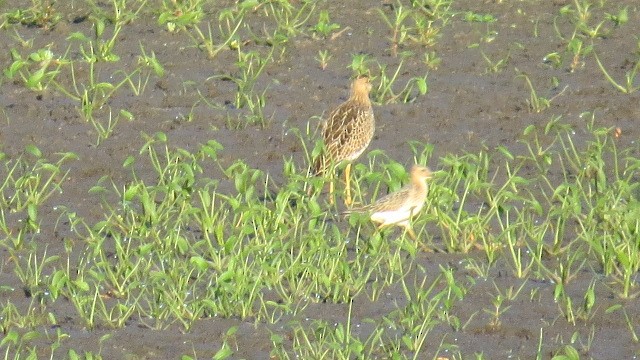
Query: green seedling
x=32, y=274
x=92, y=95
x=251, y=65
x=42, y=13
x=554, y=59
x=323, y=58
x=38, y=70
x=105, y=130
x=27, y=186
x=475, y=17
x=360, y=64
x=98, y=48
x=538, y=103
x=498, y=310
x=289, y=19
x=421, y=23
x=432, y=60
x=384, y=92
x=121, y=13
x=568, y=352
x=577, y=48
x=228, y=25
x=101, y=46
x=581, y=14
x=588, y=303
x=460, y=225
x=396, y=23
x=497, y=65
x=621, y=18
x=630, y=77
x=324, y=27
x=629, y=323
x=427, y=29
x=179, y=15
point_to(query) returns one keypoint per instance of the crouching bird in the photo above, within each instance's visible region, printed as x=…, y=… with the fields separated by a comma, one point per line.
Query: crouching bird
x=397, y=208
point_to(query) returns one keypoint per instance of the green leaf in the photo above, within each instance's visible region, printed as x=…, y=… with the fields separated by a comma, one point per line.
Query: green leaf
x=127, y=115
x=131, y=192
x=32, y=212
x=81, y=284
x=223, y=353
x=199, y=262
x=77, y=36
x=33, y=150
x=504, y=151
x=422, y=85
x=130, y=160
x=12, y=336
x=529, y=129
x=160, y=136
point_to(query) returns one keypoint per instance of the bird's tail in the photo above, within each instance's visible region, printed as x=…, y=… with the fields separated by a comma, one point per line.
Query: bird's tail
x=354, y=210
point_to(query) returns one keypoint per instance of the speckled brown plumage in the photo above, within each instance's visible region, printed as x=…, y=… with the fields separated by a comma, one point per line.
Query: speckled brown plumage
x=399, y=207
x=349, y=128
x=347, y=131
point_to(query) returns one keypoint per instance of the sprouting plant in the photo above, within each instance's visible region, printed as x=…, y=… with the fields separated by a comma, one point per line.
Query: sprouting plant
x=288, y=18
x=396, y=23
x=148, y=61
x=581, y=14
x=538, y=103
x=385, y=93
x=37, y=70
x=426, y=30
x=577, y=48
x=121, y=13
x=26, y=186
x=630, y=77
x=567, y=352
x=621, y=18
x=31, y=271
x=42, y=13
x=588, y=303
x=324, y=27
x=497, y=65
x=99, y=48
x=105, y=130
x=432, y=60
x=228, y=25
x=475, y=17
x=178, y=15
x=323, y=58
x=251, y=65
x=419, y=23
x=360, y=64
x=553, y=58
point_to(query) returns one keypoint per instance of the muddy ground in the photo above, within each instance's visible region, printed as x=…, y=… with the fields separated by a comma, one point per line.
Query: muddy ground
x=467, y=108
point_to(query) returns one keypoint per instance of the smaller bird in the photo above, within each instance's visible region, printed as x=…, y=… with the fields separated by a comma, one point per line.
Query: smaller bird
x=399, y=207
x=346, y=133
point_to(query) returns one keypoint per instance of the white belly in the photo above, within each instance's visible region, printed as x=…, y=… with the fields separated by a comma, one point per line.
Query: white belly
x=399, y=216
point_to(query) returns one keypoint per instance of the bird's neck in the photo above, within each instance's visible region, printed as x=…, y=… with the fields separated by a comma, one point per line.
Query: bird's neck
x=361, y=98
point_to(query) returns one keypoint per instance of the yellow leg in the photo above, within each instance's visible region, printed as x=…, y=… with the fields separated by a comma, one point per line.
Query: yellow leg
x=331, y=191
x=347, y=175
x=411, y=233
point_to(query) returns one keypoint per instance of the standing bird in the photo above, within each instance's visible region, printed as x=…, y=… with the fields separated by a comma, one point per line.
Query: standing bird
x=399, y=207
x=346, y=133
